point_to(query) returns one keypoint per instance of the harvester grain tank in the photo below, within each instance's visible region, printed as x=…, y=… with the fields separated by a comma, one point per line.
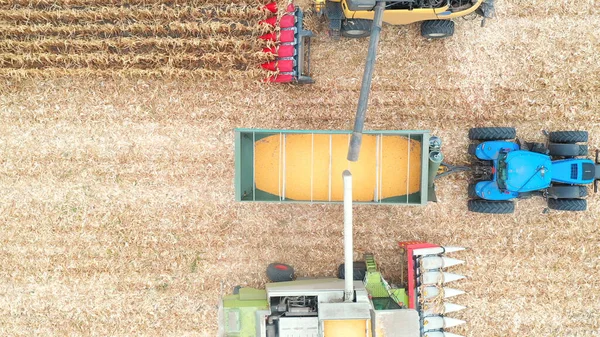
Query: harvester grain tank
x=360, y=302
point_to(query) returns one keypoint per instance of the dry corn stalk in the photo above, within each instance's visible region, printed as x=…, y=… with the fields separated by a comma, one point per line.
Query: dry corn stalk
x=162, y=72
x=51, y=4
x=216, y=60
x=174, y=29
x=134, y=45
x=116, y=15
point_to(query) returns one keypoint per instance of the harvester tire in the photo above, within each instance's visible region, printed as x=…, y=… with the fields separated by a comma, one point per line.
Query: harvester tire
x=356, y=28
x=568, y=137
x=567, y=150
x=567, y=192
x=572, y=205
x=279, y=272
x=492, y=133
x=437, y=29
x=360, y=270
x=471, y=191
x=491, y=206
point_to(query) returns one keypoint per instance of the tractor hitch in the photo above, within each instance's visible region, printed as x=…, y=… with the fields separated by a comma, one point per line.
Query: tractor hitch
x=437, y=167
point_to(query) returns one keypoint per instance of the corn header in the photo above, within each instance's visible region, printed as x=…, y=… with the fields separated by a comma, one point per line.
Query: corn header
x=290, y=45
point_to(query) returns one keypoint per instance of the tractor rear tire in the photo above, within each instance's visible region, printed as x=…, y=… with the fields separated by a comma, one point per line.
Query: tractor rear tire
x=567, y=150
x=572, y=205
x=359, y=271
x=471, y=191
x=279, y=272
x=356, y=28
x=568, y=137
x=567, y=192
x=491, y=206
x=492, y=133
x=437, y=29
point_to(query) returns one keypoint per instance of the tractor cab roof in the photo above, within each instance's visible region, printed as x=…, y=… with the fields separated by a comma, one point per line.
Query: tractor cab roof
x=524, y=171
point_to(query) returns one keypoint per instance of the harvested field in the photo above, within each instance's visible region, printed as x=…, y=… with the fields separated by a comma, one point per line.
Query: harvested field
x=117, y=209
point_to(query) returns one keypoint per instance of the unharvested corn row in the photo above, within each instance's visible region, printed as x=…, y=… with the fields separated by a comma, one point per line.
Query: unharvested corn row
x=198, y=38
x=134, y=46
x=115, y=15
x=144, y=61
x=175, y=30
x=230, y=74
x=65, y=4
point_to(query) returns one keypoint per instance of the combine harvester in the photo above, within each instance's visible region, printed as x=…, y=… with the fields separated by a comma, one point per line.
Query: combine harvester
x=359, y=303
x=357, y=19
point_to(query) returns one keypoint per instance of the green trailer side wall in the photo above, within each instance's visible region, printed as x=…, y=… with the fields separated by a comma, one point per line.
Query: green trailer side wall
x=244, y=165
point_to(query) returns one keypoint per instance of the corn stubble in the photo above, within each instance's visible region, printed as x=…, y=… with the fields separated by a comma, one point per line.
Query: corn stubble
x=196, y=38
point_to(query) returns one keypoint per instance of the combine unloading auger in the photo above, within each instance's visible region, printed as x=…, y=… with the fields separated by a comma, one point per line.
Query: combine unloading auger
x=291, y=46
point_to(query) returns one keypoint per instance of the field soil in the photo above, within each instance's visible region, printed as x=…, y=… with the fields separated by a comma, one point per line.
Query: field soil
x=117, y=215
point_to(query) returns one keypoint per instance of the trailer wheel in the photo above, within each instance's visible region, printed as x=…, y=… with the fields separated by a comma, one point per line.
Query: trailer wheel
x=279, y=272
x=568, y=137
x=491, y=206
x=437, y=29
x=567, y=192
x=492, y=133
x=359, y=271
x=567, y=150
x=572, y=205
x=356, y=28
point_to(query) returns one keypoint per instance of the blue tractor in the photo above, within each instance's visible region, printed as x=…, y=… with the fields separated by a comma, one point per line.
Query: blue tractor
x=507, y=169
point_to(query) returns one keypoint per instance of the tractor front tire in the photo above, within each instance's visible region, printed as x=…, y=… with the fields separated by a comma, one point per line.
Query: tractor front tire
x=572, y=205
x=437, y=29
x=356, y=28
x=359, y=271
x=492, y=133
x=567, y=191
x=568, y=137
x=279, y=272
x=491, y=206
